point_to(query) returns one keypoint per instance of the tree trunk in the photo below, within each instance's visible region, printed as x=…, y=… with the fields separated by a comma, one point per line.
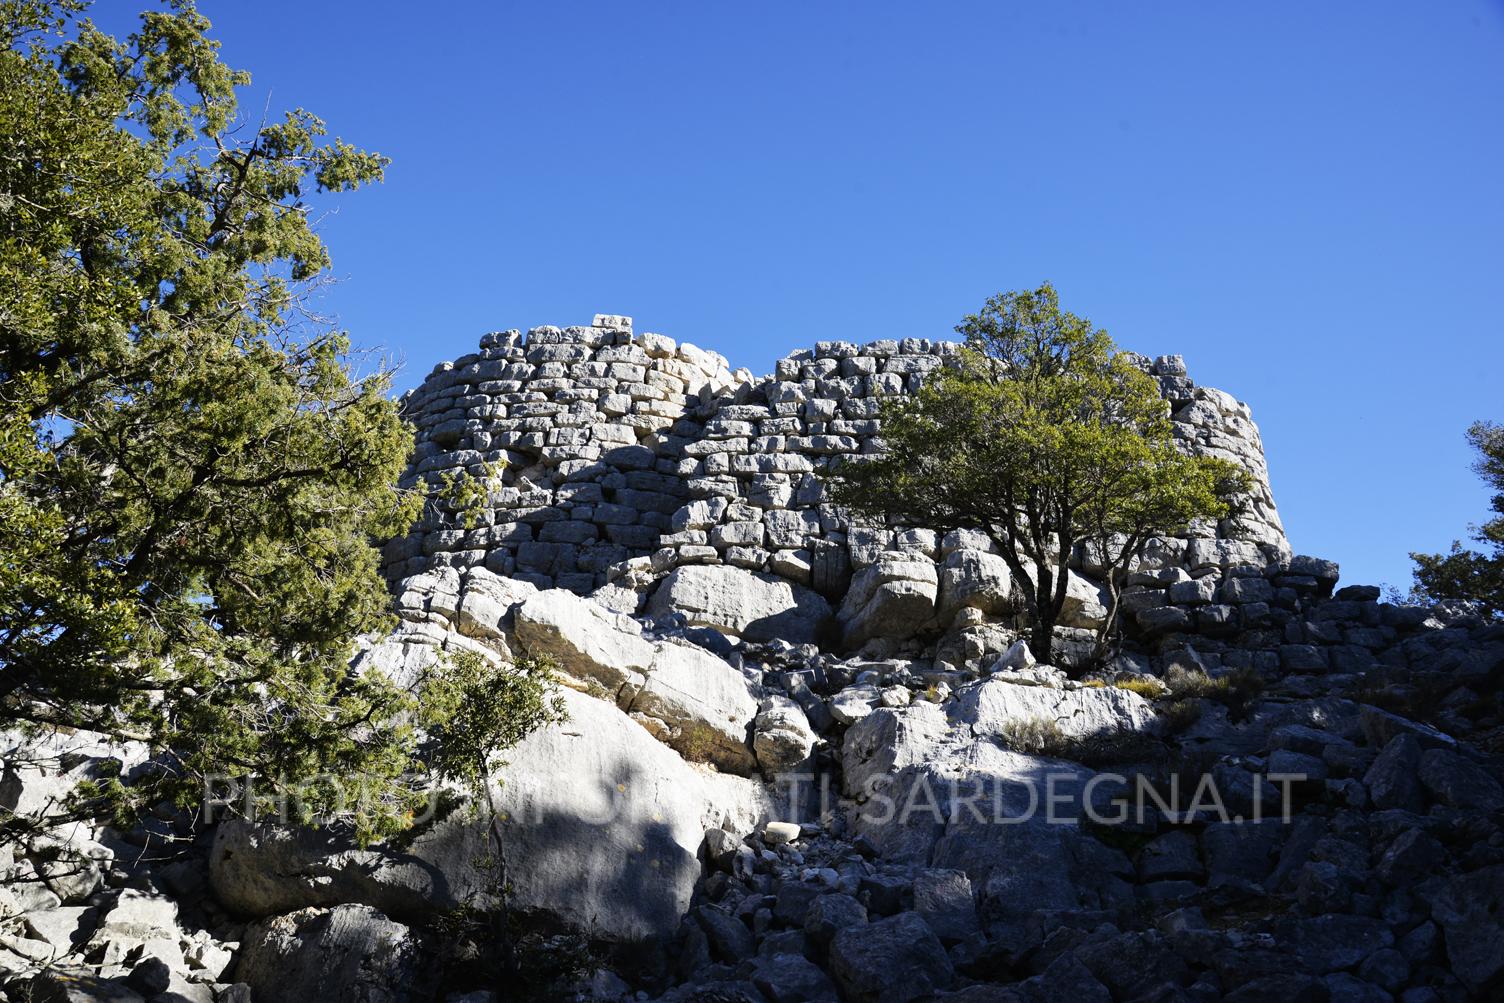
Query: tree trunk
x=1042, y=640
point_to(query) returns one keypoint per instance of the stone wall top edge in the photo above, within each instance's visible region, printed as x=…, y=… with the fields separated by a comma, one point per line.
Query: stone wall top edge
x=662, y=346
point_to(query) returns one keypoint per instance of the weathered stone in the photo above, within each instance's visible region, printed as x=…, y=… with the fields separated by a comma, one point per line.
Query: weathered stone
x=829, y=915
x=730, y=939
x=1458, y=782
x=893, y=960
x=792, y=978
x=1470, y=909
x=139, y=915
x=1085, y=604
x=586, y=641
x=781, y=736
x=994, y=707
x=943, y=898
x=893, y=597
x=1380, y=726
x=887, y=740
x=348, y=954
x=973, y=579
x=855, y=702
x=779, y=833
x=690, y=699
x=1327, y=944
x=754, y=606
x=602, y=826
x=1413, y=855
x=1169, y=857
x=1393, y=780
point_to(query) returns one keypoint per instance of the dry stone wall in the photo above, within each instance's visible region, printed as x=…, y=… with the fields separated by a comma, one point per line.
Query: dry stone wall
x=620, y=446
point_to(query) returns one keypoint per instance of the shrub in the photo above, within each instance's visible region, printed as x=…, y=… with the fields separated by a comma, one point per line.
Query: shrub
x=1148, y=688
x=1237, y=690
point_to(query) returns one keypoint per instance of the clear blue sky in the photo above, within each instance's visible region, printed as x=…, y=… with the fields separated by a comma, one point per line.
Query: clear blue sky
x=1305, y=200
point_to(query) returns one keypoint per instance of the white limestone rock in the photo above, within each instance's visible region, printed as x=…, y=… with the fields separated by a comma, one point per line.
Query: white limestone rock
x=973, y=579
x=892, y=597
x=686, y=696
x=855, y=702
x=754, y=606
x=994, y=706
x=602, y=825
x=781, y=736
x=1085, y=603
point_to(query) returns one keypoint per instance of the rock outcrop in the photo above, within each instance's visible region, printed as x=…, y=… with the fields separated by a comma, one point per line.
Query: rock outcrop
x=808, y=759
x=602, y=827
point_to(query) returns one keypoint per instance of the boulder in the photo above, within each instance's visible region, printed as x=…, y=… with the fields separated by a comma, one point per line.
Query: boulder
x=781, y=736
x=1470, y=909
x=62, y=929
x=889, y=739
x=139, y=916
x=1018, y=658
x=1085, y=603
x=64, y=986
x=894, y=960
x=348, y=954
x=587, y=642
x=1132, y=965
x=1380, y=726
x=931, y=796
x=698, y=705
x=780, y=833
x=753, y=606
x=688, y=698
x=973, y=579
x=403, y=657
x=1171, y=856
x=1010, y=831
x=602, y=827
x=943, y=898
x=1393, y=780
x=730, y=939
x=1066, y=978
x=793, y=978
x=829, y=915
x=855, y=702
x=893, y=597
x=994, y=706
x=1459, y=782
x=487, y=603
x=39, y=770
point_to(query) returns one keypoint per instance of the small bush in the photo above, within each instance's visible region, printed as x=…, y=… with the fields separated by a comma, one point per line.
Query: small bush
x=1148, y=688
x=1037, y=736
x=1237, y=690
x=1180, y=715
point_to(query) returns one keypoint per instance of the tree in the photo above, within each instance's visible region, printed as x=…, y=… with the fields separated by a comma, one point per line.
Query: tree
x=192, y=470
x=473, y=709
x=1469, y=575
x=1046, y=437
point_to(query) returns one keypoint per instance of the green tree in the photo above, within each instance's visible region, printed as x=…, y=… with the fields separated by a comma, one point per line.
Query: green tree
x=1470, y=575
x=1046, y=437
x=192, y=469
x=473, y=709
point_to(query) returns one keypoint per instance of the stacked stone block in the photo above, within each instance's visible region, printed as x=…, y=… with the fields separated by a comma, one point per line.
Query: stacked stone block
x=619, y=446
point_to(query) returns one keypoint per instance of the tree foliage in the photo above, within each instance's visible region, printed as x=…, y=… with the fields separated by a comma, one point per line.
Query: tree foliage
x=1044, y=435
x=192, y=470
x=1472, y=575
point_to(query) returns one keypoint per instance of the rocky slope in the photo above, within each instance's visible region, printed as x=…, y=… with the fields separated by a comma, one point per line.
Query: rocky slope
x=779, y=783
